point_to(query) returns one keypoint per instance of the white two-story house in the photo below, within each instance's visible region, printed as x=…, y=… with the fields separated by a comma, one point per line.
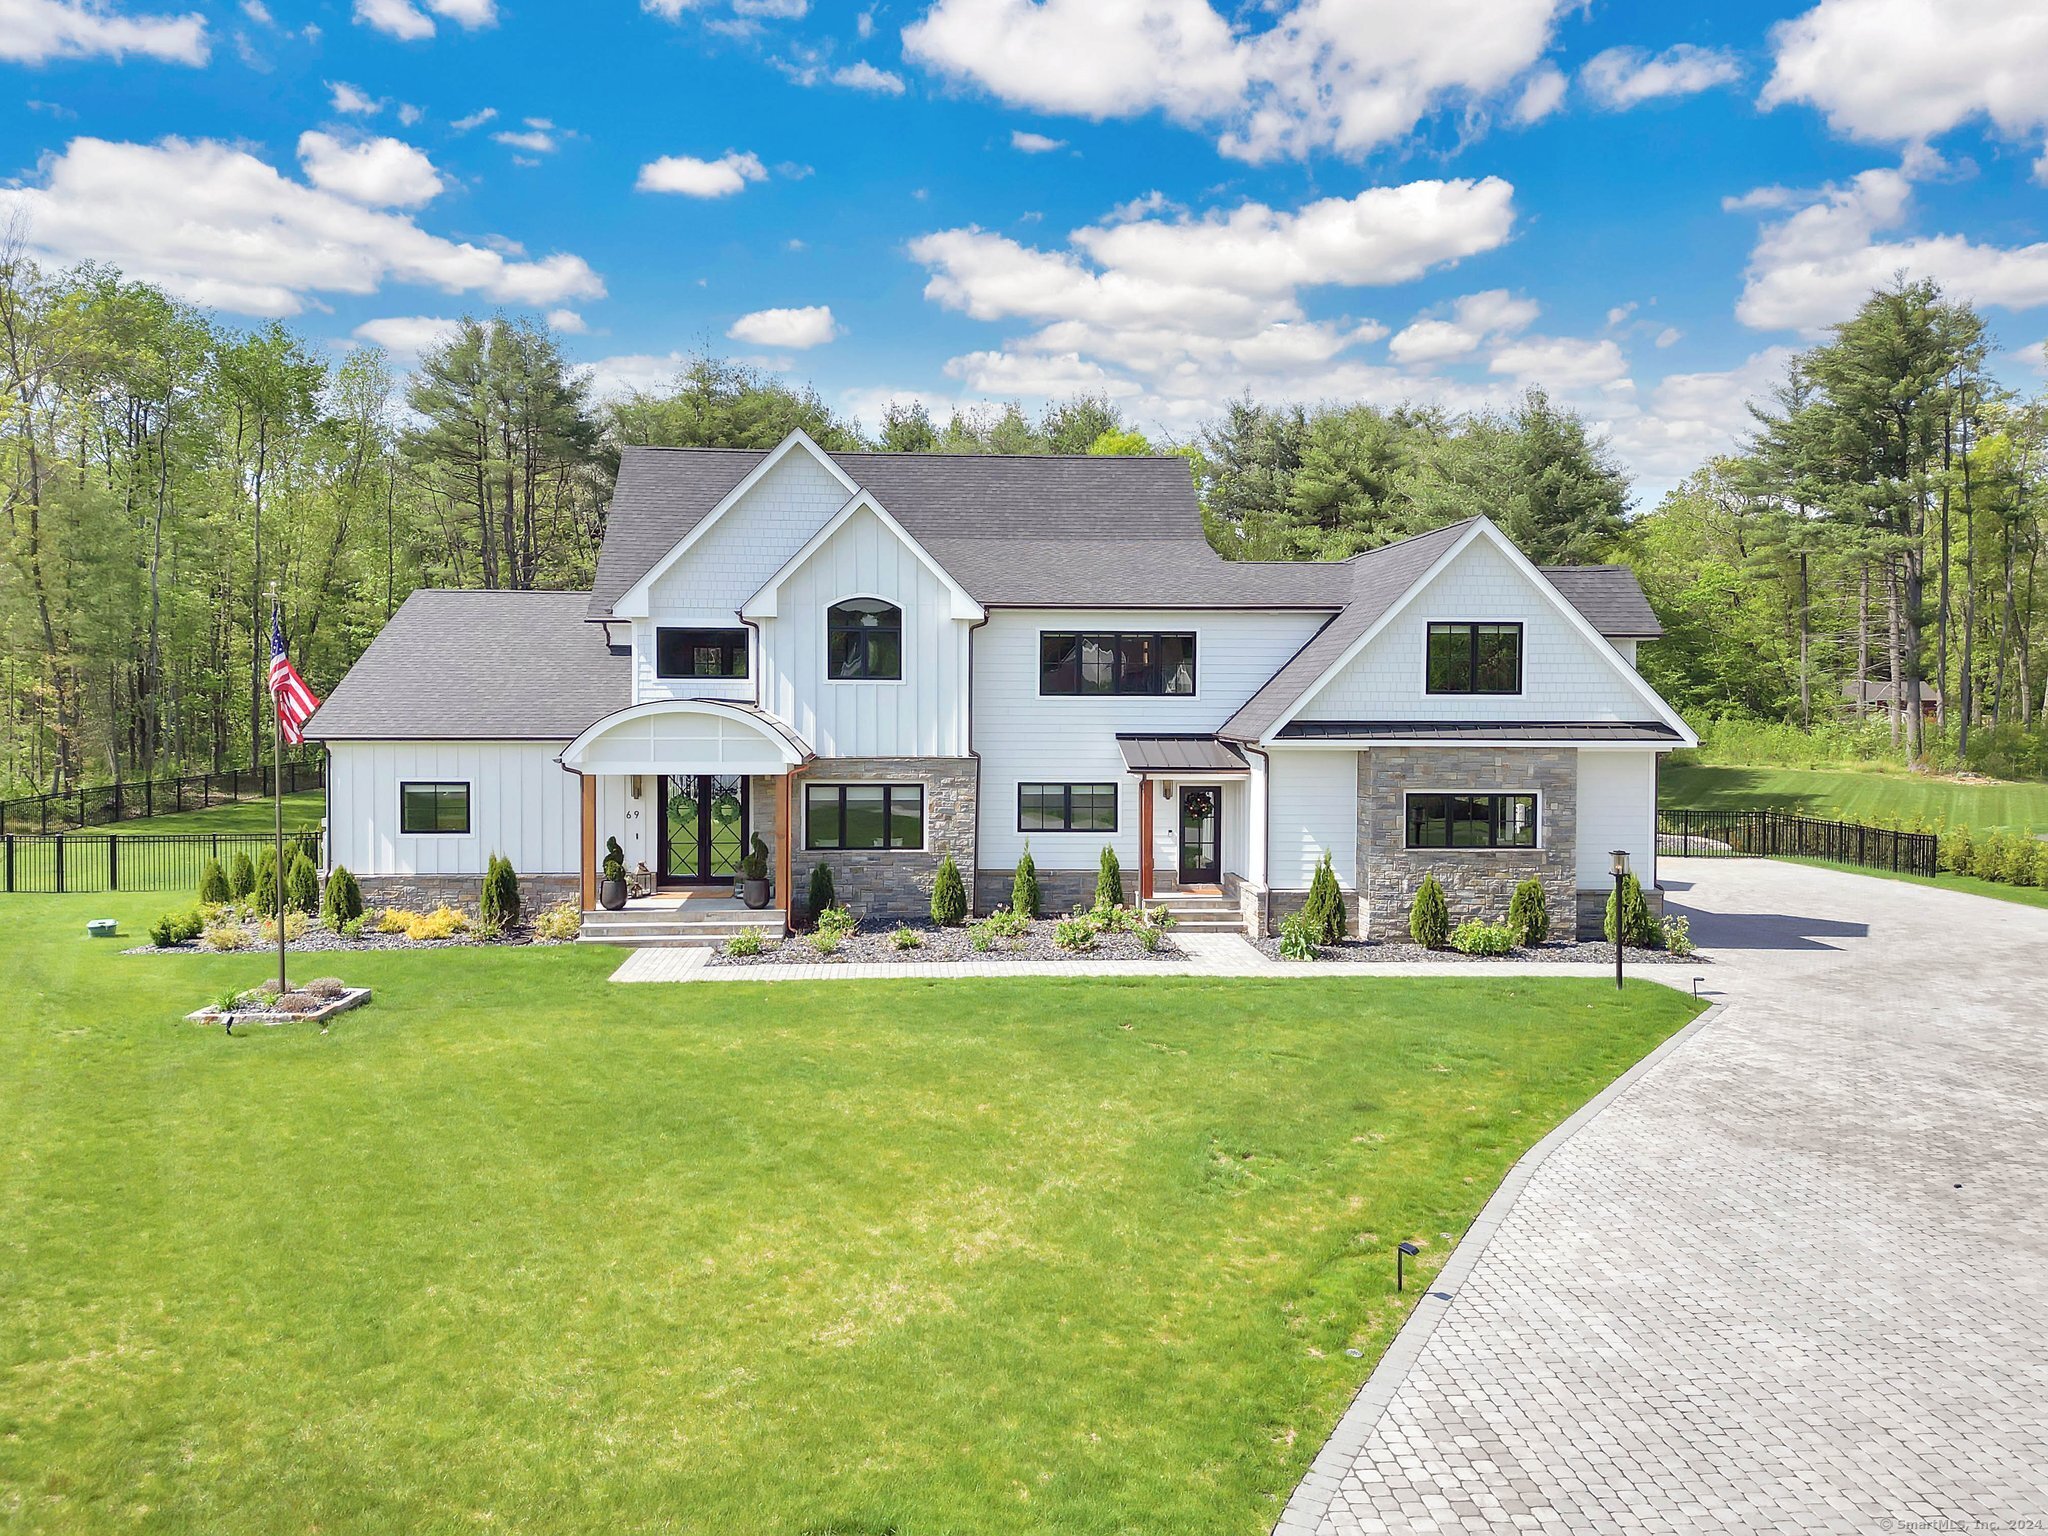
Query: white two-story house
x=872, y=660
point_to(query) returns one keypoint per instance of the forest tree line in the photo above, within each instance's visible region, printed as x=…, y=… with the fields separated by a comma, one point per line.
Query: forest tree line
x=164, y=473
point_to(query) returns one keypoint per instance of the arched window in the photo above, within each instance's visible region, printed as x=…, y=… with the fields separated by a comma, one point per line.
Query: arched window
x=864, y=640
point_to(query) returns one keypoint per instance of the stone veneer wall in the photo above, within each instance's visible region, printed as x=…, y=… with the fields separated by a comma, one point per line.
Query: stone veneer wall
x=421, y=893
x=764, y=820
x=886, y=886
x=1059, y=890
x=1477, y=882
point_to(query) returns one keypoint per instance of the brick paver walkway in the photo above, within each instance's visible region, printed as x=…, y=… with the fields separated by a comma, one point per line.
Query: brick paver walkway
x=1793, y=1277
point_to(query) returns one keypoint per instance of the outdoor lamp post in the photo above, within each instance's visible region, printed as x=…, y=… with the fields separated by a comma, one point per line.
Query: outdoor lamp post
x=1402, y=1253
x=1620, y=858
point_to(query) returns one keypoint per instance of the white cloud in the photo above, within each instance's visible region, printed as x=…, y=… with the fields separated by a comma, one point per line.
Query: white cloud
x=1347, y=75
x=34, y=31
x=408, y=337
x=1690, y=418
x=1620, y=78
x=1560, y=363
x=258, y=12
x=218, y=226
x=1494, y=314
x=535, y=141
x=1891, y=71
x=566, y=321
x=629, y=372
x=796, y=329
x=1813, y=266
x=409, y=22
x=1671, y=335
x=1034, y=143
x=475, y=119
x=1188, y=309
x=1543, y=95
x=691, y=177
x=347, y=98
x=863, y=76
x=379, y=173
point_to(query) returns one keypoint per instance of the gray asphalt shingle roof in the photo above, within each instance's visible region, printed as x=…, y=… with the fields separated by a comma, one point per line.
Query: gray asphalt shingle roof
x=1609, y=596
x=478, y=666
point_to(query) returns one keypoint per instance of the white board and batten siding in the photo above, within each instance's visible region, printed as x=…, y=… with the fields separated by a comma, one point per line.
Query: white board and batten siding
x=1617, y=808
x=1025, y=738
x=521, y=804
x=923, y=714
x=1565, y=675
x=1313, y=809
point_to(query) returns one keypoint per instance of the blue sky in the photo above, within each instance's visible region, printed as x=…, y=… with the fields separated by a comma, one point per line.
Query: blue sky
x=1171, y=201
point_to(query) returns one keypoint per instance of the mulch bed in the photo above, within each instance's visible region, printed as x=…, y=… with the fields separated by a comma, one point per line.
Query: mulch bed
x=1371, y=952
x=941, y=944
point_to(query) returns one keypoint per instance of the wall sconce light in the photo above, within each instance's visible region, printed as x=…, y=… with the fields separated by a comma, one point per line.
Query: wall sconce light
x=636, y=786
x=1165, y=790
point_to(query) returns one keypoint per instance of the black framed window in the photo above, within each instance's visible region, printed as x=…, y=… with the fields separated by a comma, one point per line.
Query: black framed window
x=863, y=816
x=1471, y=821
x=700, y=653
x=1066, y=807
x=1475, y=658
x=864, y=640
x=433, y=807
x=1138, y=662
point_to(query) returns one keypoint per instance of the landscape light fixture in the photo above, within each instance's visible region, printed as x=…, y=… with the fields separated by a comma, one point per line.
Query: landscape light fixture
x=1620, y=858
x=1402, y=1253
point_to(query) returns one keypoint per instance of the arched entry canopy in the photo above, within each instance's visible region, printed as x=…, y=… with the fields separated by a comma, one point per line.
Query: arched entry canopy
x=686, y=736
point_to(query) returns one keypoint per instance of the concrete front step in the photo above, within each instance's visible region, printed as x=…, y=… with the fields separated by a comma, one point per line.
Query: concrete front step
x=1209, y=925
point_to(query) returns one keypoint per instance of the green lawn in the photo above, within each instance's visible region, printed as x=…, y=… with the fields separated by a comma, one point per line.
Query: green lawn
x=301, y=810
x=1858, y=795
x=516, y=1249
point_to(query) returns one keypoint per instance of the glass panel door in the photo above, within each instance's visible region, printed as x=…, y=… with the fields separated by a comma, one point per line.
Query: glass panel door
x=725, y=826
x=704, y=828
x=1201, y=860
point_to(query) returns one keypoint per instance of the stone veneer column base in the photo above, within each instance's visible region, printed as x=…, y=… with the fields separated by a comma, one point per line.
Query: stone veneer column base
x=886, y=886
x=1059, y=890
x=1593, y=909
x=424, y=892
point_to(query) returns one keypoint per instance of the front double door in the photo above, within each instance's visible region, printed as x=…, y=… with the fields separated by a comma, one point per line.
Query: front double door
x=704, y=827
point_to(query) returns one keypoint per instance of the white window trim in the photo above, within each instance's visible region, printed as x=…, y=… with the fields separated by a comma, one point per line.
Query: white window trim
x=1541, y=845
x=468, y=807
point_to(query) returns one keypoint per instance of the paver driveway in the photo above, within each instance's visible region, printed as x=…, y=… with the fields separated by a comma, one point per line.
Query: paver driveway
x=1793, y=1278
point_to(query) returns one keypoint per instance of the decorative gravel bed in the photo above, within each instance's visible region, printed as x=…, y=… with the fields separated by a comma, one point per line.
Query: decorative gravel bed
x=937, y=944
x=1372, y=952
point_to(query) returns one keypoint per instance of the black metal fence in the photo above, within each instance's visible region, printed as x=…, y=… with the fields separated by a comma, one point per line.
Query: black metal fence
x=1779, y=834
x=136, y=861
x=107, y=804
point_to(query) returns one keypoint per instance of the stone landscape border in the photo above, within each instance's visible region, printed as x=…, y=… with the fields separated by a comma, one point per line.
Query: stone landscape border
x=354, y=997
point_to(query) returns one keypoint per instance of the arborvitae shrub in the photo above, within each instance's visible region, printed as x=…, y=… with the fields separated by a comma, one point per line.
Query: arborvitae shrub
x=1324, y=909
x=1638, y=928
x=241, y=877
x=302, y=886
x=213, y=884
x=344, y=903
x=1109, y=880
x=1956, y=850
x=499, y=901
x=822, y=897
x=1024, y=895
x=949, y=895
x=1429, y=916
x=1529, y=914
x=264, y=893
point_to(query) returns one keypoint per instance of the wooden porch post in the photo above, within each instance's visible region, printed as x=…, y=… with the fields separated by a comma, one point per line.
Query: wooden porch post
x=589, y=860
x=1144, y=838
x=785, y=861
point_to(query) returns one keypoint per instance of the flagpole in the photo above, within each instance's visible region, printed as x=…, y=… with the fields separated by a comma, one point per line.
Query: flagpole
x=277, y=800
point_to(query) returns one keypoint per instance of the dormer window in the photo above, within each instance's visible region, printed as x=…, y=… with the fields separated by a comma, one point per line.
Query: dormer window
x=864, y=641
x=1475, y=658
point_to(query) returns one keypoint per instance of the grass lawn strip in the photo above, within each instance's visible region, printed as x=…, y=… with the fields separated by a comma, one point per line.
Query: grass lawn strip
x=510, y=1246
x=1858, y=795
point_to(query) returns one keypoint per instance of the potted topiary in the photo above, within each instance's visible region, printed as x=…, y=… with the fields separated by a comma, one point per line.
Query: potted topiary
x=611, y=890
x=754, y=875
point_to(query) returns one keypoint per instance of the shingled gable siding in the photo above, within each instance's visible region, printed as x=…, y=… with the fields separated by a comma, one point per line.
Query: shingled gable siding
x=1565, y=676
x=884, y=887
x=1478, y=882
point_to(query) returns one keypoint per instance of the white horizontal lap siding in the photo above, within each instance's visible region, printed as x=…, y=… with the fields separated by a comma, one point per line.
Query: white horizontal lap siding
x=1314, y=809
x=1564, y=675
x=924, y=714
x=1023, y=738
x=521, y=804
x=1617, y=809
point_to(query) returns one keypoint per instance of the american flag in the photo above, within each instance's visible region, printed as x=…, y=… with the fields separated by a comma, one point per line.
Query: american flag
x=295, y=701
